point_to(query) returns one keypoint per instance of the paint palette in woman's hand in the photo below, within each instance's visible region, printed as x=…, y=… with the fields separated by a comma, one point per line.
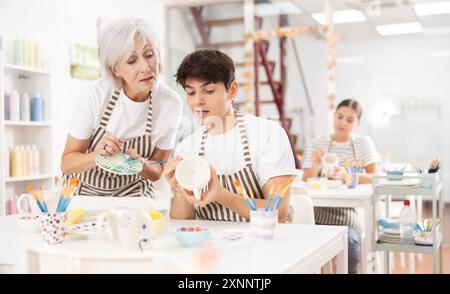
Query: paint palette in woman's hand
x=121, y=164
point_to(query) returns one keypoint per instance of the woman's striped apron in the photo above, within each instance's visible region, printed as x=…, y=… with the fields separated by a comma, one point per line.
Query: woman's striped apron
x=247, y=177
x=98, y=182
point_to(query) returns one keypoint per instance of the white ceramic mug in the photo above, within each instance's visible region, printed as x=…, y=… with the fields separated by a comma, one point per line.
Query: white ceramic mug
x=330, y=162
x=51, y=200
x=131, y=227
x=193, y=174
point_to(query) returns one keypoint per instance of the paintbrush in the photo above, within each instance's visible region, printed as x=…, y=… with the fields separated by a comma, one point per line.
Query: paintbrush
x=268, y=199
x=252, y=198
x=238, y=187
x=35, y=198
x=69, y=193
x=42, y=199
x=283, y=192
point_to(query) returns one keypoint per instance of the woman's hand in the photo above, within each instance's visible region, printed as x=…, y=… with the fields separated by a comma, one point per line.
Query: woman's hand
x=214, y=189
x=188, y=195
x=317, y=157
x=169, y=172
x=108, y=145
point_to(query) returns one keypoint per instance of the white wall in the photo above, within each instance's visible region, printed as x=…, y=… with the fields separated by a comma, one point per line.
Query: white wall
x=399, y=71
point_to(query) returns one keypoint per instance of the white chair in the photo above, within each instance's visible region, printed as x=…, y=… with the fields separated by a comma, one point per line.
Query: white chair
x=45, y=261
x=301, y=209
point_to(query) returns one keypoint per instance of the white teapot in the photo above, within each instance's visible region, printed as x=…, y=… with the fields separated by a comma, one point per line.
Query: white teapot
x=131, y=227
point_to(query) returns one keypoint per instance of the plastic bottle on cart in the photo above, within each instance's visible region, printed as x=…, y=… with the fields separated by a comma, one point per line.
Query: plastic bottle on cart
x=407, y=220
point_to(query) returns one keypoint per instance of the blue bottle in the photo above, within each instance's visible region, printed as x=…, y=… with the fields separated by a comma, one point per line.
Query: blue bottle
x=37, y=108
x=6, y=106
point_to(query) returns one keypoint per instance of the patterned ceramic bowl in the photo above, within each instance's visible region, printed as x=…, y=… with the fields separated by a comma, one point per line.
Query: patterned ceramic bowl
x=192, y=236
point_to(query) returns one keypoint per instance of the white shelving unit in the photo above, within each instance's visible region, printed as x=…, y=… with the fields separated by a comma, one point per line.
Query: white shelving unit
x=428, y=186
x=14, y=133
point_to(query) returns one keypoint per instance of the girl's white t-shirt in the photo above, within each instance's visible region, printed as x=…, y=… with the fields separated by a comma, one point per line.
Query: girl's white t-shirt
x=128, y=118
x=270, y=150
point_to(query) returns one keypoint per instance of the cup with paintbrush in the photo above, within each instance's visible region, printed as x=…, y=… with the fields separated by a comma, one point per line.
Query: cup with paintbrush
x=429, y=179
x=53, y=222
x=264, y=220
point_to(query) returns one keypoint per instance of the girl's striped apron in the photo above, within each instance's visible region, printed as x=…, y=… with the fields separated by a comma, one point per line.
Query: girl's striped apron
x=98, y=182
x=247, y=177
x=339, y=216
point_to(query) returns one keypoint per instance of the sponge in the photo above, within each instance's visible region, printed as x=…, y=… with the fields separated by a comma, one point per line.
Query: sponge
x=75, y=216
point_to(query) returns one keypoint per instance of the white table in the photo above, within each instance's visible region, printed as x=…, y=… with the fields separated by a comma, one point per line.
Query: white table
x=359, y=197
x=296, y=248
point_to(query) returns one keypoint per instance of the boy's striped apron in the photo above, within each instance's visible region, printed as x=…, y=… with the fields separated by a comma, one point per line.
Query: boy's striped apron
x=247, y=177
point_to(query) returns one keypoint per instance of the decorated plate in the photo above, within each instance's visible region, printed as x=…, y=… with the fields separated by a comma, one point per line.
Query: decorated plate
x=120, y=163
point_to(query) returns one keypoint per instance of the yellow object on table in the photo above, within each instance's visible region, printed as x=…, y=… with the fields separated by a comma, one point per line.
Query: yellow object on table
x=159, y=222
x=75, y=216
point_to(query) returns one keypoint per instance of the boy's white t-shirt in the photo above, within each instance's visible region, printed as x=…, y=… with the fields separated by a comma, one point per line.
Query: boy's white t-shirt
x=270, y=150
x=128, y=118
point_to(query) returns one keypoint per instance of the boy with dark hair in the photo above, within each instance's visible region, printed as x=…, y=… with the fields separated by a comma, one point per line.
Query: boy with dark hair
x=207, y=65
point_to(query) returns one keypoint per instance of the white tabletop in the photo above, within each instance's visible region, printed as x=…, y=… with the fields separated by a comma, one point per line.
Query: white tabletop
x=296, y=248
x=8, y=240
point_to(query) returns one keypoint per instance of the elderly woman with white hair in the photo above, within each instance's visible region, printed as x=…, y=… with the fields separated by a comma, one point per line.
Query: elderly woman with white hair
x=127, y=110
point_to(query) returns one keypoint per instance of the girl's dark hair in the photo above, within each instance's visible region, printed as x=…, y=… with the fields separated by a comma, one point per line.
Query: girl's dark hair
x=209, y=65
x=353, y=104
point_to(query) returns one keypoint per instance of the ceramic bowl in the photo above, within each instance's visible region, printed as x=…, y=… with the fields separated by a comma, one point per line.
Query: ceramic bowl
x=192, y=236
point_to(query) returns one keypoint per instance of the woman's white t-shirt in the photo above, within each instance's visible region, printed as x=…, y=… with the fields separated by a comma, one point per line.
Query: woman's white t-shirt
x=128, y=118
x=270, y=150
x=364, y=148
